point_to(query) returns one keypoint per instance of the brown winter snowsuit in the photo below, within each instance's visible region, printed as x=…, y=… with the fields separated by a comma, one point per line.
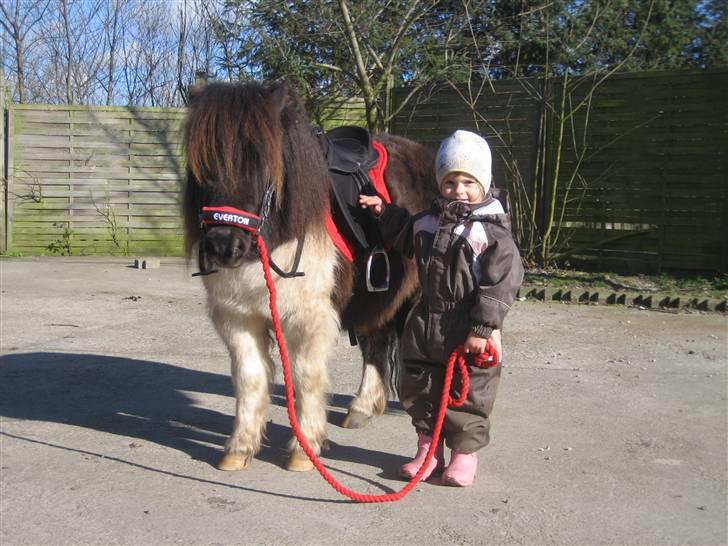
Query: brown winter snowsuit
x=470, y=271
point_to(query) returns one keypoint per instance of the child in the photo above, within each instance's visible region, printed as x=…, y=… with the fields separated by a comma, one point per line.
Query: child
x=469, y=270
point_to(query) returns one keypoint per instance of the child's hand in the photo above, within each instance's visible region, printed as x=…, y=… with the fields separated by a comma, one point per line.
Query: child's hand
x=372, y=202
x=477, y=345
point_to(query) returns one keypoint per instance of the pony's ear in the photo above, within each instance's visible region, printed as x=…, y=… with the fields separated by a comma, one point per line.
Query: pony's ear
x=279, y=96
x=194, y=91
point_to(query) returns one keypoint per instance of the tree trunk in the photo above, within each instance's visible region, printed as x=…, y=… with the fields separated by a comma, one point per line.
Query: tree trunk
x=112, y=53
x=365, y=84
x=69, y=51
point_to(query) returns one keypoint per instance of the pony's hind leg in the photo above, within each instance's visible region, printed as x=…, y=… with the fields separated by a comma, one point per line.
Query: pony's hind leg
x=379, y=354
x=310, y=337
x=252, y=374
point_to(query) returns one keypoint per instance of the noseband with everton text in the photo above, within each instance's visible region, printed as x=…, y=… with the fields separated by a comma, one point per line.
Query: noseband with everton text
x=252, y=223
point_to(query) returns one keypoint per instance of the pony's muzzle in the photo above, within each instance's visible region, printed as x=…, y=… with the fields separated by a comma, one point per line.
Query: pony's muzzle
x=226, y=246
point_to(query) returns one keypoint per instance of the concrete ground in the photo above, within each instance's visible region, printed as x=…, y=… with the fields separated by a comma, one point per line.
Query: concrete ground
x=610, y=428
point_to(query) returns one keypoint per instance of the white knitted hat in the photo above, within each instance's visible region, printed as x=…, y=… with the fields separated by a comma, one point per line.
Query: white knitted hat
x=465, y=152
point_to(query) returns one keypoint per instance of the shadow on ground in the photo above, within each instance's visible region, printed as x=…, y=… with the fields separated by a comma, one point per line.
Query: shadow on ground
x=148, y=401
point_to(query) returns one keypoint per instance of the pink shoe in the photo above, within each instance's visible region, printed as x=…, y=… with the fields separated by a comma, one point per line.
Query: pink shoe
x=409, y=470
x=461, y=470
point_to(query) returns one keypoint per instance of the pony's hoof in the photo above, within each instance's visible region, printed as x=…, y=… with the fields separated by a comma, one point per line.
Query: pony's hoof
x=299, y=462
x=355, y=419
x=232, y=462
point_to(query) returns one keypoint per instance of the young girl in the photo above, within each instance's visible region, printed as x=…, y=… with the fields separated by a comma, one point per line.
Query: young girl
x=470, y=271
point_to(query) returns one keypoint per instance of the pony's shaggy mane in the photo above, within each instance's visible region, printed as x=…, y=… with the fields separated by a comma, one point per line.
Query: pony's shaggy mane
x=242, y=137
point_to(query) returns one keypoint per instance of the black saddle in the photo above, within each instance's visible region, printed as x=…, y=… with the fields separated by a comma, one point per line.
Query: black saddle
x=350, y=155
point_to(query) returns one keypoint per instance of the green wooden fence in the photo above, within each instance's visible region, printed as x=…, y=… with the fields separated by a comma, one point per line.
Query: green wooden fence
x=656, y=177
x=87, y=180
x=651, y=191
x=93, y=180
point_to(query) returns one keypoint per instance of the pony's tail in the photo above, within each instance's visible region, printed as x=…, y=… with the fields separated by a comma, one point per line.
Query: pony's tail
x=391, y=363
x=393, y=360
x=382, y=348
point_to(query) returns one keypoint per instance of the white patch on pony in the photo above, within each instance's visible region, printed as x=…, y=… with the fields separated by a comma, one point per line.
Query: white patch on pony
x=238, y=305
x=252, y=373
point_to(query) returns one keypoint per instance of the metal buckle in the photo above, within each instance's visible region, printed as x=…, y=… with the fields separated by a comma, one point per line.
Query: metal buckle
x=377, y=259
x=265, y=205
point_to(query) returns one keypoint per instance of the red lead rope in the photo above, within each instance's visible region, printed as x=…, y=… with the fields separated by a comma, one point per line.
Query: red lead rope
x=490, y=358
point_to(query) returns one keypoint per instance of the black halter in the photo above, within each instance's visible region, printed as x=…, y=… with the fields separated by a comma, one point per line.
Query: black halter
x=253, y=223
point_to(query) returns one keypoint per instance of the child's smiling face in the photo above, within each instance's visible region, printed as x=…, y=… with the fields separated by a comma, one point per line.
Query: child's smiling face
x=458, y=186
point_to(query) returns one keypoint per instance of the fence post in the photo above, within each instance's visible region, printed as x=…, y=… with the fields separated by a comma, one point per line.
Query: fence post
x=4, y=153
x=542, y=162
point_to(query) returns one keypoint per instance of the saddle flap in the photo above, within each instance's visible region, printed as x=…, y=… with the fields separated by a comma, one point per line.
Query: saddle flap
x=350, y=155
x=349, y=149
x=346, y=192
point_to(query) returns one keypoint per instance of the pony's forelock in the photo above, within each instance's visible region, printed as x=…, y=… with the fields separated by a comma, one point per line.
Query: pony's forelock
x=234, y=134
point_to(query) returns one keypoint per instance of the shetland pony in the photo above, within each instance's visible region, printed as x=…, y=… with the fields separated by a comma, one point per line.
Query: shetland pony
x=249, y=146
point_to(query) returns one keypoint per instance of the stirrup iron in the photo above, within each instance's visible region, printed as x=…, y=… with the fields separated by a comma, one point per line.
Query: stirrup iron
x=378, y=254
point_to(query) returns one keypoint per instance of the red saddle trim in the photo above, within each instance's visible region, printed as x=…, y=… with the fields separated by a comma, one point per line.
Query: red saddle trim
x=342, y=245
x=376, y=175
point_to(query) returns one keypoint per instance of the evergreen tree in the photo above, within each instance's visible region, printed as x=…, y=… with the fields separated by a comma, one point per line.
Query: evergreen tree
x=710, y=48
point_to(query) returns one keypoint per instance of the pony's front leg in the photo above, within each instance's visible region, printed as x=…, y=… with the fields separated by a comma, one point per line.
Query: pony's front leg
x=252, y=375
x=310, y=337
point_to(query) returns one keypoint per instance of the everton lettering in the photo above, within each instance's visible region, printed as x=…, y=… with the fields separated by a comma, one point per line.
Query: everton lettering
x=231, y=218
